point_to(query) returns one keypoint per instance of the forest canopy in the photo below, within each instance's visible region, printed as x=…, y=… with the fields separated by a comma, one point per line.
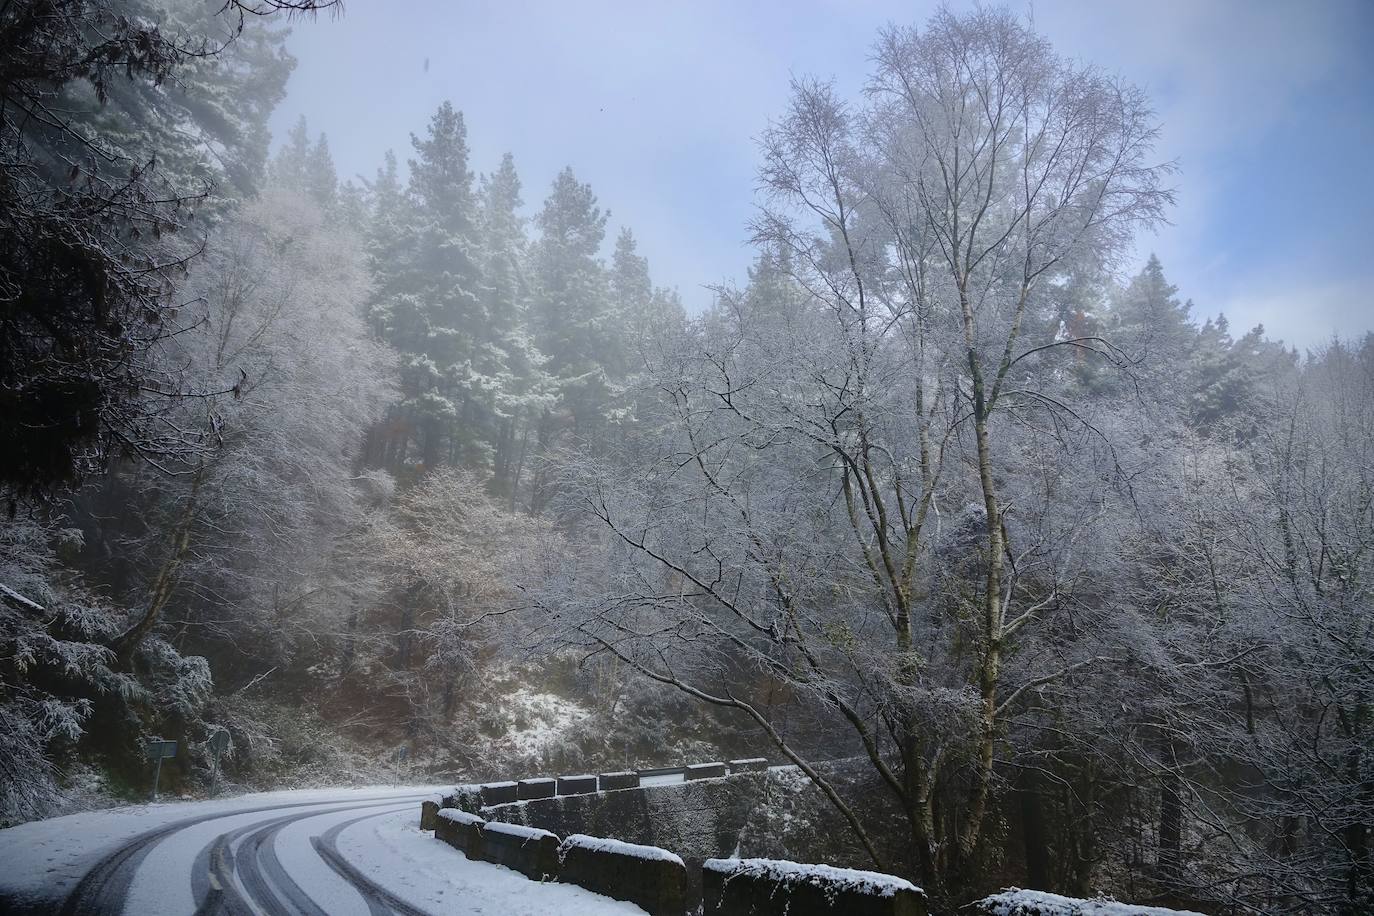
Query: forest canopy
x=1039, y=572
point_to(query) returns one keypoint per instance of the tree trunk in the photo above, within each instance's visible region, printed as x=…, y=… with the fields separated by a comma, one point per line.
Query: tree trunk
x=1033, y=835
x=128, y=642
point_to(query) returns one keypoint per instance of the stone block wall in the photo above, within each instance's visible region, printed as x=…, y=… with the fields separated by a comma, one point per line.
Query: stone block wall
x=528, y=850
x=698, y=820
x=576, y=785
x=1017, y=902
x=766, y=887
x=627, y=779
x=460, y=830
x=653, y=879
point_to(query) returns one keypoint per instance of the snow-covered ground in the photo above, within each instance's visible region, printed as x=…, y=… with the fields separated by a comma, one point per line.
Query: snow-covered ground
x=440, y=879
x=541, y=720
x=317, y=851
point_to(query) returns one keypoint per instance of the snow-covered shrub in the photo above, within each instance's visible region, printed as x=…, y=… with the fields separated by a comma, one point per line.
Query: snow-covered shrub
x=54, y=665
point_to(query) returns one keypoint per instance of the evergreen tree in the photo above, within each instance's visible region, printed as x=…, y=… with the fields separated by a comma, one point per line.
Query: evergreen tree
x=321, y=181
x=354, y=206
x=301, y=166
x=288, y=167
x=632, y=295
x=388, y=266
x=573, y=319
x=522, y=391
x=430, y=297
x=1150, y=324
x=1229, y=379
x=122, y=119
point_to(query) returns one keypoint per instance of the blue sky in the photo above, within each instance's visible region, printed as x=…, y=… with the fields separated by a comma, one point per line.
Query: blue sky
x=1267, y=106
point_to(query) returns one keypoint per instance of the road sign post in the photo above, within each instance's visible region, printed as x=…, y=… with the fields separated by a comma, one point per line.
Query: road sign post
x=157, y=750
x=219, y=743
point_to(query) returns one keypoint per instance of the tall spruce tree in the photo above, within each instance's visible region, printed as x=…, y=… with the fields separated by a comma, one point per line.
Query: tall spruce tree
x=632, y=294
x=435, y=303
x=573, y=319
x=1149, y=321
x=522, y=391
x=302, y=166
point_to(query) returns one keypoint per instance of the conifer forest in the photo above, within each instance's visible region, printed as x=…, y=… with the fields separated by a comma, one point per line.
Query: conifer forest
x=1023, y=562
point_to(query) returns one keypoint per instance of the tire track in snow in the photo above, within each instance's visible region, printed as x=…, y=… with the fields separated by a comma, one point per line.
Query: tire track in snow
x=380, y=901
x=105, y=886
x=263, y=875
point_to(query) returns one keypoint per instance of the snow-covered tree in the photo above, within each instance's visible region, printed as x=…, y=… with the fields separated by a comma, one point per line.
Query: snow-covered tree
x=124, y=119
x=572, y=318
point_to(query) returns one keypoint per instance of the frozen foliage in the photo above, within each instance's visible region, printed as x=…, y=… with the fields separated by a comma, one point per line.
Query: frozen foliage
x=848, y=880
x=616, y=847
x=54, y=666
x=1017, y=902
x=91, y=204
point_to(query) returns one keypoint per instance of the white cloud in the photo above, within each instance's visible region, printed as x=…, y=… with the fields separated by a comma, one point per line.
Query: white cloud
x=1302, y=312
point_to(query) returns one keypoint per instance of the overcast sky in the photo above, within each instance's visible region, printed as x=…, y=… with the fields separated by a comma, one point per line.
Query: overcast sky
x=1267, y=106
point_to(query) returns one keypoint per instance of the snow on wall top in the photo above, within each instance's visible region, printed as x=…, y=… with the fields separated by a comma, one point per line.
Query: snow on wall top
x=1017, y=902
x=498, y=785
x=460, y=817
x=618, y=847
x=850, y=880
x=620, y=773
x=528, y=833
x=540, y=781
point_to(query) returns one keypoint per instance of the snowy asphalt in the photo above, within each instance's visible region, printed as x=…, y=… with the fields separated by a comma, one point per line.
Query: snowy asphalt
x=354, y=851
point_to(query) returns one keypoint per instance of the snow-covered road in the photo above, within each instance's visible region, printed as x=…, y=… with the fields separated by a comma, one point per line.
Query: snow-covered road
x=316, y=852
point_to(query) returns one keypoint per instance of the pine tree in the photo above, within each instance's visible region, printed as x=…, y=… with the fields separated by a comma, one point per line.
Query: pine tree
x=632, y=294
x=1149, y=322
x=573, y=319
x=301, y=166
x=1228, y=378
x=288, y=167
x=388, y=252
x=523, y=390
x=321, y=181
x=430, y=298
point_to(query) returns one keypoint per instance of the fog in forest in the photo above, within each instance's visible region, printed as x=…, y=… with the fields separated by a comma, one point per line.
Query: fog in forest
x=967, y=408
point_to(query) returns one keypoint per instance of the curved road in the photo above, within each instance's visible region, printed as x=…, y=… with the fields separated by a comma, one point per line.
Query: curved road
x=313, y=853
x=232, y=864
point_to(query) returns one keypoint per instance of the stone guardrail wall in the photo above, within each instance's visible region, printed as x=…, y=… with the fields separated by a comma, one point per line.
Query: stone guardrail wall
x=764, y=887
x=517, y=824
x=660, y=881
x=698, y=819
x=528, y=850
x=651, y=878
x=1017, y=902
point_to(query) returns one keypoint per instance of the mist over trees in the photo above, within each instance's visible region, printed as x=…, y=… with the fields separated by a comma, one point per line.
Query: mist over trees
x=997, y=542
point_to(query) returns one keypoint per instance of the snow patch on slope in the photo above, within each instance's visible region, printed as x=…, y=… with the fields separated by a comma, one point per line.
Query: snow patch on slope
x=540, y=720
